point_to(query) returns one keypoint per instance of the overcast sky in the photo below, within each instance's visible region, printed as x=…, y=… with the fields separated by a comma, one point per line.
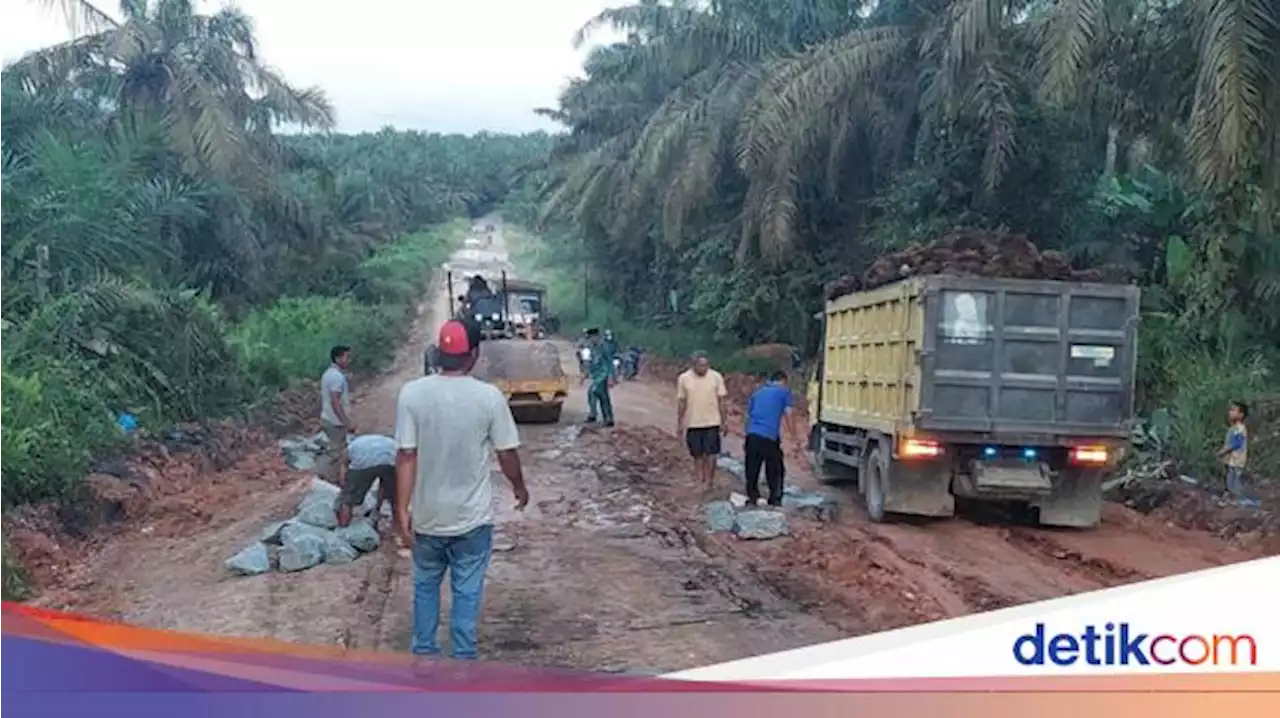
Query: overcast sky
x=447, y=66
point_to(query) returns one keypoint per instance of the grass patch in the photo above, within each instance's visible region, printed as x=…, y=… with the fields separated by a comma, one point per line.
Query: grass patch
x=290, y=341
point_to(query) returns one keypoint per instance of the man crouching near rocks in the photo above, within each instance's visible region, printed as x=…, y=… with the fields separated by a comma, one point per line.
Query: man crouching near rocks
x=370, y=457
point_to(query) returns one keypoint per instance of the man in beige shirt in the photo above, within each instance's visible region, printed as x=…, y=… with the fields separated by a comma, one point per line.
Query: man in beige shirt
x=700, y=399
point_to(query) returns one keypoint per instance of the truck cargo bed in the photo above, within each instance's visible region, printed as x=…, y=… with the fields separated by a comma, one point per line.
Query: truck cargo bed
x=985, y=356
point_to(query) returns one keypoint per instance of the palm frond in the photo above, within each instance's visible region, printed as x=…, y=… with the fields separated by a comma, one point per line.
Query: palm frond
x=1238, y=63
x=1072, y=32
x=81, y=16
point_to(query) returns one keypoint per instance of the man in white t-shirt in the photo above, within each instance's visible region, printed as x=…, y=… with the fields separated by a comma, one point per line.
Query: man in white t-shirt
x=448, y=426
x=335, y=405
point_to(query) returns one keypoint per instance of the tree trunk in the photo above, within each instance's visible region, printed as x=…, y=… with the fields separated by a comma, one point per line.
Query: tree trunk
x=1113, y=135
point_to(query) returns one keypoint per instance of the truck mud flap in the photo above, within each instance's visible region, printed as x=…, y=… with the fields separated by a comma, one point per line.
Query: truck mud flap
x=1076, y=500
x=919, y=489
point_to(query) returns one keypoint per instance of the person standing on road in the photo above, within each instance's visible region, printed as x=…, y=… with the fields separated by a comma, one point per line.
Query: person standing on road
x=1235, y=449
x=447, y=427
x=335, y=403
x=371, y=457
x=700, y=412
x=600, y=372
x=609, y=347
x=767, y=410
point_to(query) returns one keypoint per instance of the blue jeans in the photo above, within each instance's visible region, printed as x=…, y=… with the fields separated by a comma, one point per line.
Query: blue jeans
x=465, y=557
x=1235, y=481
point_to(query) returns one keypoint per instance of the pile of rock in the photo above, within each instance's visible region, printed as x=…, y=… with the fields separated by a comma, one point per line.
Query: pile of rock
x=813, y=504
x=300, y=454
x=722, y=516
x=733, y=515
x=312, y=536
x=976, y=252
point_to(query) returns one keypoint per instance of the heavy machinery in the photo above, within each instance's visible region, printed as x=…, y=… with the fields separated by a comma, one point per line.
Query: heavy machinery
x=524, y=301
x=939, y=387
x=513, y=355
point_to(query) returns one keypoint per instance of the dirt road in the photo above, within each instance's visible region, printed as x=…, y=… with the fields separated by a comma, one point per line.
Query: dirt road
x=609, y=568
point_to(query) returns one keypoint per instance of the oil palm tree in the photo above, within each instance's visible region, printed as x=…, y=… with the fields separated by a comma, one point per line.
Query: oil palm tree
x=200, y=74
x=783, y=99
x=1233, y=118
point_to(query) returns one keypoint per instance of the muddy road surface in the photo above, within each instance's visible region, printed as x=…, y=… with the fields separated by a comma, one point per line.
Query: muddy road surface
x=610, y=567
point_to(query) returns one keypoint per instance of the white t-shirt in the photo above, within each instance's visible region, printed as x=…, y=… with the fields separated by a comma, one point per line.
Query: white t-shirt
x=370, y=450
x=332, y=381
x=456, y=423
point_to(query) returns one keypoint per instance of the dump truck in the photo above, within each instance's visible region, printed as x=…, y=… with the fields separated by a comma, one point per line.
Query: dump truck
x=943, y=387
x=525, y=367
x=524, y=302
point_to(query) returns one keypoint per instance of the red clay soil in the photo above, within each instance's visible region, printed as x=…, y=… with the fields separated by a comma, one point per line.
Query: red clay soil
x=167, y=488
x=862, y=576
x=935, y=569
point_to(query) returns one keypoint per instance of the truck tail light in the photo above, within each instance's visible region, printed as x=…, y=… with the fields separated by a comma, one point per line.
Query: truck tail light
x=1090, y=455
x=919, y=449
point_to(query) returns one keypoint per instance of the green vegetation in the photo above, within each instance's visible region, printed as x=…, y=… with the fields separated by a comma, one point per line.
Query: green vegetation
x=289, y=340
x=743, y=152
x=167, y=254
x=561, y=270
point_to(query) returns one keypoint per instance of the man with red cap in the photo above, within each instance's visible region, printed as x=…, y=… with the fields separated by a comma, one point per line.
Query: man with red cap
x=448, y=425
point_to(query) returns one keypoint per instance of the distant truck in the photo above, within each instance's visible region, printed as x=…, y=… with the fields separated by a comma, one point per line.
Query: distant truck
x=941, y=386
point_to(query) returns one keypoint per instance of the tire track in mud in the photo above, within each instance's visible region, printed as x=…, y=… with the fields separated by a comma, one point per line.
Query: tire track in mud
x=1042, y=544
x=865, y=577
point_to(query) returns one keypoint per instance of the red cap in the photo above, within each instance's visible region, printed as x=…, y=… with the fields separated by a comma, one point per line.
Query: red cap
x=455, y=338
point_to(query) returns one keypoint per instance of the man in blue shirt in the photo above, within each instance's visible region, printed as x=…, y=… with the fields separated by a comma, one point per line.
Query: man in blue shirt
x=766, y=410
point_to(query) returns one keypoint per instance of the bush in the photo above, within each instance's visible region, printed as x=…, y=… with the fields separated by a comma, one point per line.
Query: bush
x=290, y=340
x=15, y=583
x=54, y=424
x=106, y=349
x=1202, y=385
x=396, y=273
x=167, y=355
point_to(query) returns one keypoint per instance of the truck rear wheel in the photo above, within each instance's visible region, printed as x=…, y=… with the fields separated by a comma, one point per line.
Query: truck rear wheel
x=825, y=471
x=873, y=485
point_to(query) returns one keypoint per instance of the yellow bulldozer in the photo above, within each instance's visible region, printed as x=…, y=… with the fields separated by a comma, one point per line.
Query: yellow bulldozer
x=515, y=356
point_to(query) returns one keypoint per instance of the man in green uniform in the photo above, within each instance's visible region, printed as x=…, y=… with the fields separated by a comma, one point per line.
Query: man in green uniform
x=600, y=373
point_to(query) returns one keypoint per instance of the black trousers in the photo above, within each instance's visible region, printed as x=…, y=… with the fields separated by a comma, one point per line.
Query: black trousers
x=764, y=451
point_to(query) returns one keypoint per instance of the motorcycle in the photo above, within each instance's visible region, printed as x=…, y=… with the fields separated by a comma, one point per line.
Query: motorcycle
x=617, y=367
x=584, y=360
x=631, y=364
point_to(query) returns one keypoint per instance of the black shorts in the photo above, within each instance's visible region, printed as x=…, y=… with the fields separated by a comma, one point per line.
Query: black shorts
x=359, y=481
x=703, y=441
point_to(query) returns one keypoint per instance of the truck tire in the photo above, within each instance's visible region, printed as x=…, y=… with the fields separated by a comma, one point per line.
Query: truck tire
x=815, y=453
x=873, y=485
x=827, y=472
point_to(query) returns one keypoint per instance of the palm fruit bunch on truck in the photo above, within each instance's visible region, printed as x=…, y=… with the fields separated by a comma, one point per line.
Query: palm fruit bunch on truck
x=973, y=252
